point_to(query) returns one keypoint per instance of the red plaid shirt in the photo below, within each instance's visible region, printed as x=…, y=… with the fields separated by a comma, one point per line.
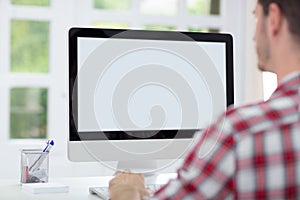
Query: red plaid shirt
x=251, y=152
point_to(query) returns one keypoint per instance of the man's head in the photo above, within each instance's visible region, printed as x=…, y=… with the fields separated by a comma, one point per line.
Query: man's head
x=276, y=19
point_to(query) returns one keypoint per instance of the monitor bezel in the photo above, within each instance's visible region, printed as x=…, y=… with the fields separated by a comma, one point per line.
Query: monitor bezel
x=74, y=33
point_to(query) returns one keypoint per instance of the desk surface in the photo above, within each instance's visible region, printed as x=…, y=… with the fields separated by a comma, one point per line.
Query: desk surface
x=78, y=187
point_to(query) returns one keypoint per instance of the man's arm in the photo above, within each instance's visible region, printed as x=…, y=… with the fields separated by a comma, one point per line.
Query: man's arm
x=208, y=171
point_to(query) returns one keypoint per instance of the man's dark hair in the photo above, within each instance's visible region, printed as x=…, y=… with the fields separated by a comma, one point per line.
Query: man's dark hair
x=290, y=9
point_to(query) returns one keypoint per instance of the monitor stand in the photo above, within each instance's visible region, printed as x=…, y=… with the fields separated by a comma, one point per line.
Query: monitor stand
x=146, y=167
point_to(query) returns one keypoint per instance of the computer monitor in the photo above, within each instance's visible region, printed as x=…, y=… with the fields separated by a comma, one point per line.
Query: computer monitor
x=137, y=96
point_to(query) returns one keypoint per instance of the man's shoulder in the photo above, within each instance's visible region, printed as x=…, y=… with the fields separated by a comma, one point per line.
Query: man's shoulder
x=245, y=111
x=260, y=116
x=247, y=118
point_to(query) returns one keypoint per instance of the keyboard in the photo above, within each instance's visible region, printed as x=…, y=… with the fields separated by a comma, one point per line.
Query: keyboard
x=103, y=192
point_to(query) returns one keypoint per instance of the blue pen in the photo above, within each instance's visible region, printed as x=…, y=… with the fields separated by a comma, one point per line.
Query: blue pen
x=42, y=157
x=50, y=143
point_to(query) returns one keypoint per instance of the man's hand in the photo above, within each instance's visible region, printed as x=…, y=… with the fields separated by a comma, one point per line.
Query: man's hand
x=127, y=185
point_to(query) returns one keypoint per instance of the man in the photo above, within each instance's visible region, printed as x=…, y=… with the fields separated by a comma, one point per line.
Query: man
x=257, y=155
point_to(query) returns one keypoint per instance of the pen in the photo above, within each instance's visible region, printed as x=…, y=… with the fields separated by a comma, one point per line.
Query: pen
x=49, y=146
x=42, y=157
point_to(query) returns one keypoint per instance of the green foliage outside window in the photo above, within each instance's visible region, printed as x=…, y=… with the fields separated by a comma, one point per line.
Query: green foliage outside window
x=211, y=30
x=159, y=27
x=31, y=2
x=203, y=7
x=29, y=46
x=28, y=112
x=112, y=4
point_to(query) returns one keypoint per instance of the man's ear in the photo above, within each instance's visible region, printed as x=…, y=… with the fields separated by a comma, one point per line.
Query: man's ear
x=275, y=19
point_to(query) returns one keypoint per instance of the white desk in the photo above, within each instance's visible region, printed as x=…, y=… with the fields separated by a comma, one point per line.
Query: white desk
x=78, y=187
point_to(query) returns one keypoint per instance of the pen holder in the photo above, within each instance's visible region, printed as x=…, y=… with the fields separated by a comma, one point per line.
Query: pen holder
x=34, y=166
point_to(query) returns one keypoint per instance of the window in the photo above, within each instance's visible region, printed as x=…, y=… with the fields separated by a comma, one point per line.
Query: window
x=25, y=69
x=110, y=25
x=203, y=7
x=29, y=46
x=31, y=2
x=112, y=5
x=28, y=113
x=197, y=15
x=160, y=8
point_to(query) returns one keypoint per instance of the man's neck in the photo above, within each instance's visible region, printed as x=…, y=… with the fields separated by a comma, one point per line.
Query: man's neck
x=287, y=62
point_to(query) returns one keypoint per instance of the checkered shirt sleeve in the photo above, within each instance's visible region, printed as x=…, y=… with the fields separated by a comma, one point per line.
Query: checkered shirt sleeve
x=252, y=152
x=208, y=170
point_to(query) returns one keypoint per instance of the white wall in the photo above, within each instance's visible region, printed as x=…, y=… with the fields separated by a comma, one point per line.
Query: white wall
x=253, y=77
